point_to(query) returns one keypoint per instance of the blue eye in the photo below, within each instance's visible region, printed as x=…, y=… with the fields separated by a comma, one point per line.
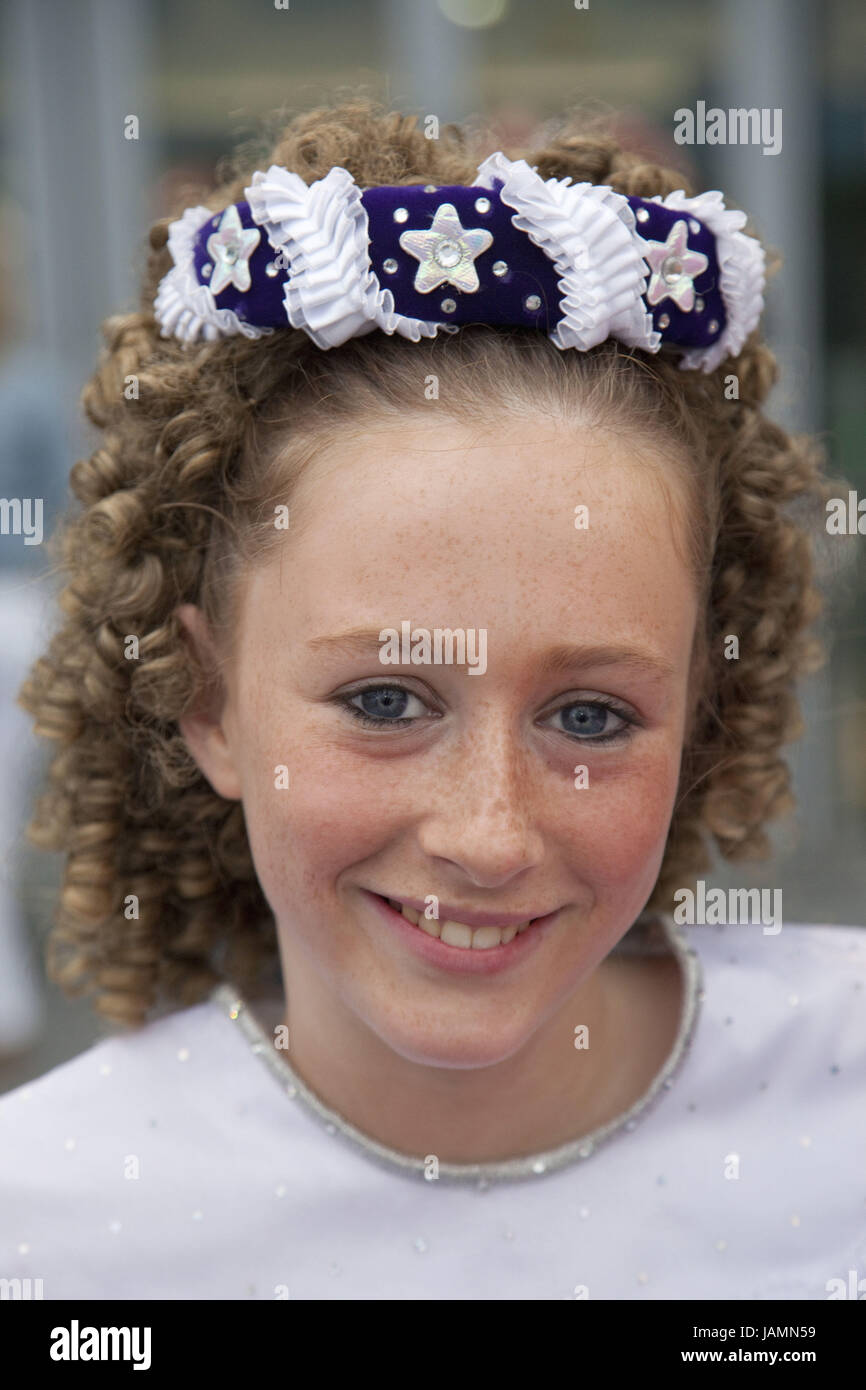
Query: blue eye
x=589, y=719
x=382, y=705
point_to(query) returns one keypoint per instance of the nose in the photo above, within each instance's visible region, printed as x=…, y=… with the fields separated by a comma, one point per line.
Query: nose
x=484, y=808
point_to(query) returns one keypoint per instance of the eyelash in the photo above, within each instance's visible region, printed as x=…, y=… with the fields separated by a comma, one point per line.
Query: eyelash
x=368, y=721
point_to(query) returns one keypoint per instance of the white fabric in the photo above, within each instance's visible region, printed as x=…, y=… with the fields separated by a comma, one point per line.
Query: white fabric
x=243, y=1193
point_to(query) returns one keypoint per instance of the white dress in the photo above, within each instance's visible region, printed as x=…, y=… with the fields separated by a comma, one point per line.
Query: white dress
x=185, y=1161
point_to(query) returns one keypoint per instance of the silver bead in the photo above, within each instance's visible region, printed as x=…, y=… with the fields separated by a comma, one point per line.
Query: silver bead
x=482, y=204
x=585, y=1150
x=663, y=321
x=272, y=269
x=713, y=325
x=642, y=215
x=532, y=302
x=694, y=226
x=430, y=187
x=401, y=215
x=539, y=1166
x=448, y=306
x=207, y=269
x=500, y=267
x=699, y=305
x=672, y=269
x=447, y=254
x=389, y=266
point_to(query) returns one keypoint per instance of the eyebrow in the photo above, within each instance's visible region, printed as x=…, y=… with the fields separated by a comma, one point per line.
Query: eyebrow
x=362, y=641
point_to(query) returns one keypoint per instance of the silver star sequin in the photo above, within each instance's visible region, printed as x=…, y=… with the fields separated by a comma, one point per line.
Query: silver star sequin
x=230, y=247
x=674, y=268
x=446, y=252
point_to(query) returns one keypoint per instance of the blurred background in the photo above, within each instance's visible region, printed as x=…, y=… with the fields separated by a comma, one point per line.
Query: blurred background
x=77, y=196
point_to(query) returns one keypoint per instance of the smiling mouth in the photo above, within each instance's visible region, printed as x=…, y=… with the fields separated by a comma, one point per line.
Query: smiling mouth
x=458, y=934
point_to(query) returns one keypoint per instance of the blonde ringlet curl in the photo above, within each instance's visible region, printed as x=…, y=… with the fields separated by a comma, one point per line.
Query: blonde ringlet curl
x=180, y=494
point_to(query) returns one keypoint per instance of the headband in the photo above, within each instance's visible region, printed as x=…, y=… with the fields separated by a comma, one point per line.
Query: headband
x=575, y=260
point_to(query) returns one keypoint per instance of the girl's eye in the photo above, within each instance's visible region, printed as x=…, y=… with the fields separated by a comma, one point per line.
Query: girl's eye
x=383, y=706
x=595, y=721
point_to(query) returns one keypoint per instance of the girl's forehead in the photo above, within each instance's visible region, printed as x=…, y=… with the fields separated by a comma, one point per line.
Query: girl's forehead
x=542, y=530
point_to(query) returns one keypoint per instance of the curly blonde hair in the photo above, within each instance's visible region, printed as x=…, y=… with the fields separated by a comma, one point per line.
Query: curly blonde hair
x=160, y=900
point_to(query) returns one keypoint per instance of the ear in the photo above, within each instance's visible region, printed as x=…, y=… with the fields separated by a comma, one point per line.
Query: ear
x=205, y=725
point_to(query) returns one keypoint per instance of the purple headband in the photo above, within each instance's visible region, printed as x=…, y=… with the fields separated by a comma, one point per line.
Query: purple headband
x=576, y=261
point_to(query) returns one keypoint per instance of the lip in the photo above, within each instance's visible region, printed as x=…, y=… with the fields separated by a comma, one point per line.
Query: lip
x=447, y=913
x=458, y=960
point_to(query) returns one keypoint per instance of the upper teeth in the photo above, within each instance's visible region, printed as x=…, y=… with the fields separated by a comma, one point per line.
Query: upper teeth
x=457, y=933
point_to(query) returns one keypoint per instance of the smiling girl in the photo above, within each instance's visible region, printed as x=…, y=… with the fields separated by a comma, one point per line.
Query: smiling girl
x=405, y=1011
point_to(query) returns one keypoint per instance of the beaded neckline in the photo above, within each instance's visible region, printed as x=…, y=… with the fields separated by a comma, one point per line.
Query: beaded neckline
x=536, y=1165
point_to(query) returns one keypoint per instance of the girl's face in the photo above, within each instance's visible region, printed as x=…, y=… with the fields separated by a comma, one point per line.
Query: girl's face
x=534, y=780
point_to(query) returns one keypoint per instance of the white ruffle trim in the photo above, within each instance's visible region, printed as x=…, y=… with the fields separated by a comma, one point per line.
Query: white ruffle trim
x=589, y=233
x=184, y=307
x=322, y=229
x=742, y=274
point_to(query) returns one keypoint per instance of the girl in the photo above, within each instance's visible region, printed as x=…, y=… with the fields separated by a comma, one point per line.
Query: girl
x=433, y=608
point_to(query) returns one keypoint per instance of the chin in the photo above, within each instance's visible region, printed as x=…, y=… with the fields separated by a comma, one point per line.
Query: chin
x=452, y=1048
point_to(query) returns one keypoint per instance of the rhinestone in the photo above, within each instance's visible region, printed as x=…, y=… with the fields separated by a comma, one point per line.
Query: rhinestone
x=430, y=187
x=539, y=1166
x=631, y=1124
x=664, y=321
x=699, y=305
x=257, y=1047
x=448, y=306
x=235, y=1009
x=69, y=1145
x=668, y=1082
x=183, y=1055
x=482, y=204
x=389, y=266
x=114, y=1227
x=401, y=215
x=672, y=269
x=642, y=215
x=198, y=1216
x=420, y=1245
x=231, y=254
x=24, y=1249
x=291, y=1092
x=585, y=1150
x=500, y=267
x=207, y=269
x=532, y=302
x=271, y=269
x=713, y=325
x=694, y=226
x=280, y=1191
x=447, y=254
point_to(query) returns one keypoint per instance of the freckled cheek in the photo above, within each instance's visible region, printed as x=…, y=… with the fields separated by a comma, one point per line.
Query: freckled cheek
x=621, y=823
